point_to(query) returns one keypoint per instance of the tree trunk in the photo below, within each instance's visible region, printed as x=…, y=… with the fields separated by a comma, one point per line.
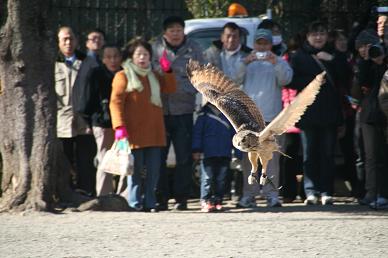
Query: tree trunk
x=34, y=167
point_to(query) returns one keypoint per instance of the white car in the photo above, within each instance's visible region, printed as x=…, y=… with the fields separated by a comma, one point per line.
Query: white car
x=205, y=31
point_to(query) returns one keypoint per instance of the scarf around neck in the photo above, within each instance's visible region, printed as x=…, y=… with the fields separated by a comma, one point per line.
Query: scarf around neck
x=131, y=71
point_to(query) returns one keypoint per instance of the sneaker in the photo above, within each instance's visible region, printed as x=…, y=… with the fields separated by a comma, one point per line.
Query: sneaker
x=152, y=210
x=288, y=199
x=273, y=202
x=246, y=202
x=162, y=206
x=380, y=203
x=207, y=207
x=219, y=207
x=368, y=199
x=180, y=206
x=311, y=200
x=137, y=208
x=327, y=200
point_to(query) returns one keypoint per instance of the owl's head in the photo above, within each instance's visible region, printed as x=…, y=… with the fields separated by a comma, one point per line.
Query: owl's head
x=246, y=140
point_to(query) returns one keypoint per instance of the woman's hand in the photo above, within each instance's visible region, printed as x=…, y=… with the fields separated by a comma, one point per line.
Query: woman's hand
x=165, y=64
x=121, y=133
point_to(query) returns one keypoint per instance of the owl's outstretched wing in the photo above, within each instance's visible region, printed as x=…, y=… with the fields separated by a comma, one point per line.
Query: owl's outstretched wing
x=292, y=113
x=222, y=92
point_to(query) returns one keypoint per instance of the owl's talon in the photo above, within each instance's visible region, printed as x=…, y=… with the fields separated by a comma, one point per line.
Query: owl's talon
x=266, y=180
x=252, y=179
x=263, y=180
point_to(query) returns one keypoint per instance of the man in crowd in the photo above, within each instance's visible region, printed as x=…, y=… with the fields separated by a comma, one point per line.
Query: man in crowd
x=228, y=53
x=171, y=52
x=70, y=126
x=87, y=176
x=265, y=75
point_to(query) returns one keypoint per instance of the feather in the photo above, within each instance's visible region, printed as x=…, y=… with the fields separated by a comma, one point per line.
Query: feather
x=222, y=92
x=292, y=113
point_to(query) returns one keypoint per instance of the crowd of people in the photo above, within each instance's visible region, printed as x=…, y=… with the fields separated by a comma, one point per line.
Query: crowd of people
x=141, y=93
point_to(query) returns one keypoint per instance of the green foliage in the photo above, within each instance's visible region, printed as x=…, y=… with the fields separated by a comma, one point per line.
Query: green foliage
x=208, y=8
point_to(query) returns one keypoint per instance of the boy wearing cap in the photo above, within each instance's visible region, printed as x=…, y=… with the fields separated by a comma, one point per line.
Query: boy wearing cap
x=264, y=77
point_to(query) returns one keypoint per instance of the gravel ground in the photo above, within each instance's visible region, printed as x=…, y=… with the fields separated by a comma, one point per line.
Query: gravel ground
x=342, y=230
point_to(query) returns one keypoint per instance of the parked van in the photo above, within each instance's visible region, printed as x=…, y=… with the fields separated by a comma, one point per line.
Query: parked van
x=205, y=31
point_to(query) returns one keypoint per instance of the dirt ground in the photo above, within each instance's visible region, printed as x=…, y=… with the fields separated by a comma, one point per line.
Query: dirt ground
x=342, y=230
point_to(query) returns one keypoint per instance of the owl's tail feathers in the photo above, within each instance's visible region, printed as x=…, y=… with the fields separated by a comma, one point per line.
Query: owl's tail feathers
x=284, y=154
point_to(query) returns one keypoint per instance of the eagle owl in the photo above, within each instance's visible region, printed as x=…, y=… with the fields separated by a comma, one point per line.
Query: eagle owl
x=252, y=135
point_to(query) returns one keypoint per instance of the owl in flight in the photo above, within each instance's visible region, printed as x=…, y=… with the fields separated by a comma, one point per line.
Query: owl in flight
x=252, y=135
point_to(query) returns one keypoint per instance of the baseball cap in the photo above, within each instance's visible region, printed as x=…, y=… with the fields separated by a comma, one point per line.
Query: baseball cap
x=263, y=34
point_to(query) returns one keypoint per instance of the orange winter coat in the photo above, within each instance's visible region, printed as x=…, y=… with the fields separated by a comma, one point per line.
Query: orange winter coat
x=143, y=120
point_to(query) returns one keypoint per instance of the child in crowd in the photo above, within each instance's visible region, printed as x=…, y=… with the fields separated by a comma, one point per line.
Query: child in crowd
x=212, y=137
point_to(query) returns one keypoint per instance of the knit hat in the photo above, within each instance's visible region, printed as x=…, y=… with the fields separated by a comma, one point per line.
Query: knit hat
x=366, y=37
x=264, y=34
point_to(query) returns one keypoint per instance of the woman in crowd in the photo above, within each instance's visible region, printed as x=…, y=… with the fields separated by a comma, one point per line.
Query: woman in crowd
x=320, y=122
x=137, y=115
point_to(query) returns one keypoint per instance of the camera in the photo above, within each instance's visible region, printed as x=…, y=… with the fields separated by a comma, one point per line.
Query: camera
x=261, y=55
x=375, y=51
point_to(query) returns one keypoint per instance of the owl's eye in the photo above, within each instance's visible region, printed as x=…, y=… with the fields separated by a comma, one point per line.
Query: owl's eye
x=243, y=140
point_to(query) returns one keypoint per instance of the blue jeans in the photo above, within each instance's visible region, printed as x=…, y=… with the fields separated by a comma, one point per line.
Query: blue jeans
x=179, y=130
x=214, y=170
x=318, y=159
x=148, y=158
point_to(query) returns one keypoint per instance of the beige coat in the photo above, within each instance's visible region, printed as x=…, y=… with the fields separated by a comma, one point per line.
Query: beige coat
x=69, y=124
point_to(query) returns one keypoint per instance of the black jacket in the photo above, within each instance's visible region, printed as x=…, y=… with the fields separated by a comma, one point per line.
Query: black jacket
x=370, y=75
x=326, y=110
x=97, y=97
x=80, y=88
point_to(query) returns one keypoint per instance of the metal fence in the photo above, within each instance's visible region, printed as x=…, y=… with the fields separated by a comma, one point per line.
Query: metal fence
x=124, y=19
x=120, y=19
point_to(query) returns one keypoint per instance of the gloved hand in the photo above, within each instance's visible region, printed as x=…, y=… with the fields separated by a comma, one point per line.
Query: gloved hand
x=165, y=64
x=121, y=133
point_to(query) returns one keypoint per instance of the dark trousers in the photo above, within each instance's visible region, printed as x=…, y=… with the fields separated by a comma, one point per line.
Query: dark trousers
x=376, y=177
x=360, y=155
x=290, y=167
x=346, y=144
x=318, y=159
x=179, y=130
x=214, y=172
x=80, y=151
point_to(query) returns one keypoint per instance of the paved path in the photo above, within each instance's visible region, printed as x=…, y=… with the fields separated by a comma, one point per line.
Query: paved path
x=342, y=230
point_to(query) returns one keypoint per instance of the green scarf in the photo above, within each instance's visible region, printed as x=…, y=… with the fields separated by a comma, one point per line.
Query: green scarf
x=130, y=70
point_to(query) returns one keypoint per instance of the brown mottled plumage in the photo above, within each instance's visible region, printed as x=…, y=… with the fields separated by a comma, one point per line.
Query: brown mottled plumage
x=251, y=134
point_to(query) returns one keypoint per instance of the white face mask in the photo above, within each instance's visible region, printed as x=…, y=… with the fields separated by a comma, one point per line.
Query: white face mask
x=276, y=40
